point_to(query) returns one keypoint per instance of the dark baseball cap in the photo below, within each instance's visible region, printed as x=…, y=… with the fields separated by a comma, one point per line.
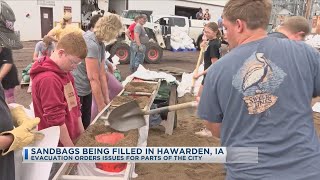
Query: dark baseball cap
x=8, y=37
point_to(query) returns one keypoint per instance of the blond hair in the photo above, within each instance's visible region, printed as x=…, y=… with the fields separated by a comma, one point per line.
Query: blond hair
x=296, y=24
x=66, y=17
x=108, y=27
x=73, y=44
x=256, y=13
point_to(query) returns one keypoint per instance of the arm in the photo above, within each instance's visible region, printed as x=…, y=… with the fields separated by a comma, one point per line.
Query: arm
x=104, y=83
x=137, y=39
x=128, y=34
x=35, y=56
x=65, y=137
x=213, y=60
x=52, y=33
x=209, y=107
x=5, y=141
x=54, y=108
x=110, y=67
x=80, y=125
x=4, y=70
x=93, y=72
x=36, y=51
x=214, y=128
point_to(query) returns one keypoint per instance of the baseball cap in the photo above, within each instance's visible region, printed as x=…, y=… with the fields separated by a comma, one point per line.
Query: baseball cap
x=8, y=37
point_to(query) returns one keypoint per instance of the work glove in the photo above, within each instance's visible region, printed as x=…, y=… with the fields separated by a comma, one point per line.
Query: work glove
x=23, y=135
x=18, y=115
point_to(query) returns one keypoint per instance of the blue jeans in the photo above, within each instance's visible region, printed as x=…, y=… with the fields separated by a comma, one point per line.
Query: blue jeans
x=136, y=56
x=132, y=56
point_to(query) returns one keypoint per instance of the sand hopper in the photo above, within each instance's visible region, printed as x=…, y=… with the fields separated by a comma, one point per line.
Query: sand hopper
x=130, y=116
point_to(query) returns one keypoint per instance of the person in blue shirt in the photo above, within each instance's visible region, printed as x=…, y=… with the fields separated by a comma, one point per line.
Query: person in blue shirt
x=294, y=28
x=259, y=95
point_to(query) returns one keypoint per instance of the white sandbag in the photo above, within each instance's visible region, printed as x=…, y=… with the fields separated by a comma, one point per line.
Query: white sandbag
x=182, y=47
x=174, y=44
x=37, y=171
x=185, y=84
x=313, y=40
x=176, y=39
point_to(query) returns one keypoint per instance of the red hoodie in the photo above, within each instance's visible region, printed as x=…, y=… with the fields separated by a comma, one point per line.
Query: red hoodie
x=54, y=99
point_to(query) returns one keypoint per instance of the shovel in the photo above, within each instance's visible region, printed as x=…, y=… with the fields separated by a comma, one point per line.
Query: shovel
x=129, y=116
x=196, y=70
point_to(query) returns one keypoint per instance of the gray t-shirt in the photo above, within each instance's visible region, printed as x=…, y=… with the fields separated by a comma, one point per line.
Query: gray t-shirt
x=142, y=33
x=261, y=92
x=95, y=50
x=42, y=50
x=6, y=162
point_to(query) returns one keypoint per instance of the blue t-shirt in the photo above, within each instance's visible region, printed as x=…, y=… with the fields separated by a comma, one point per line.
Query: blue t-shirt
x=261, y=93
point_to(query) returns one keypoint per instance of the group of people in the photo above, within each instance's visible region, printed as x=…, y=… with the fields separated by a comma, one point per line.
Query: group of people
x=203, y=16
x=70, y=77
x=138, y=37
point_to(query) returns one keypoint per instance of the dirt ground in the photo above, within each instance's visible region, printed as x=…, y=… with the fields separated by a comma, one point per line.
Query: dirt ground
x=183, y=135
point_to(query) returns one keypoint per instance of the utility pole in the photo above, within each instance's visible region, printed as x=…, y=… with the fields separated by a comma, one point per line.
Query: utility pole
x=308, y=12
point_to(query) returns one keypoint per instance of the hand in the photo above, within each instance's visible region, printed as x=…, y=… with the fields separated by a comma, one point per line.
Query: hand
x=204, y=45
x=107, y=100
x=140, y=48
x=135, y=48
x=196, y=76
x=100, y=108
x=198, y=99
x=111, y=70
x=18, y=115
x=22, y=135
x=81, y=128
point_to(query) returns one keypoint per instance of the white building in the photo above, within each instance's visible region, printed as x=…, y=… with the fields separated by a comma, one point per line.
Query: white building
x=34, y=18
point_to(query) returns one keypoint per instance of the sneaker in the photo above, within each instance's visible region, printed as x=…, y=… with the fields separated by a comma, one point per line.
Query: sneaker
x=204, y=132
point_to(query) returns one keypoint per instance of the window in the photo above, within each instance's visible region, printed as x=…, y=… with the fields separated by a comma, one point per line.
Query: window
x=180, y=22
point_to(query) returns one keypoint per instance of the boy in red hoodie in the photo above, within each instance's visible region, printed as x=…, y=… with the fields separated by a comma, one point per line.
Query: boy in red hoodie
x=54, y=97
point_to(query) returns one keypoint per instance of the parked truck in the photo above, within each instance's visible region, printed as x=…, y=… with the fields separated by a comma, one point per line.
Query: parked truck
x=158, y=28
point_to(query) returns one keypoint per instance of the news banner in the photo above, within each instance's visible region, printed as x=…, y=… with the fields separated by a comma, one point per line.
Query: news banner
x=141, y=154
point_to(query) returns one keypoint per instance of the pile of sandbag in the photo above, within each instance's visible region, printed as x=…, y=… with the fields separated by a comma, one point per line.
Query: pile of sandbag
x=313, y=40
x=180, y=39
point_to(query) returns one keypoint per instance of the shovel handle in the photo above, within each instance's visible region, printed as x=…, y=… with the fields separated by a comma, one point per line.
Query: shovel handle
x=196, y=70
x=172, y=108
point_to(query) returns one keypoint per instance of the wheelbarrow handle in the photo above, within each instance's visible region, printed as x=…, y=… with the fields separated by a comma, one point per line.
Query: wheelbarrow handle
x=172, y=108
